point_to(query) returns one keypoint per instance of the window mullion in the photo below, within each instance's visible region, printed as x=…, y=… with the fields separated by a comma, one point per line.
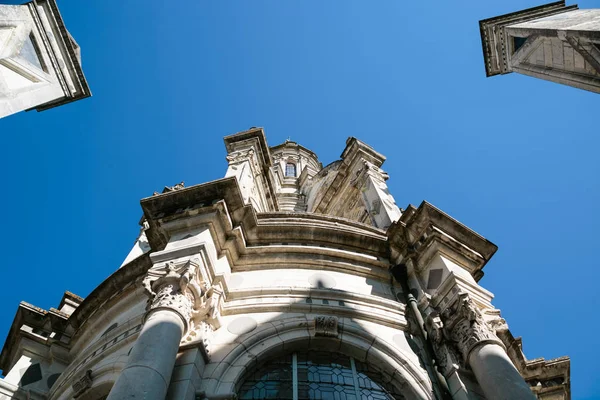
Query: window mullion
x=355, y=376
x=295, y=376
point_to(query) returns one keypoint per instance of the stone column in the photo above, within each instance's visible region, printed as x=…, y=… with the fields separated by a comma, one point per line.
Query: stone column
x=148, y=371
x=481, y=349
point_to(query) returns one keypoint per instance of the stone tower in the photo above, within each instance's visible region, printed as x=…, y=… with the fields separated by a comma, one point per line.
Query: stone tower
x=283, y=280
x=553, y=42
x=40, y=62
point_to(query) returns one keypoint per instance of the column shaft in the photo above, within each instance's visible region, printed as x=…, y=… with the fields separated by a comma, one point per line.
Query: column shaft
x=496, y=374
x=148, y=371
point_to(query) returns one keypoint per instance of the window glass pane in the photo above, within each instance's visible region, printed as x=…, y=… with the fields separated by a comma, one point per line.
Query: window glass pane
x=290, y=169
x=273, y=380
x=321, y=376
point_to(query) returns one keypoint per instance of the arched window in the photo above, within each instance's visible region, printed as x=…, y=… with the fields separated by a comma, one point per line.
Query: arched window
x=290, y=169
x=316, y=375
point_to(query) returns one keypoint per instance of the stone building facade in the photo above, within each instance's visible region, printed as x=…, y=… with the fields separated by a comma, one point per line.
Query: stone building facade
x=40, y=62
x=283, y=280
x=553, y=42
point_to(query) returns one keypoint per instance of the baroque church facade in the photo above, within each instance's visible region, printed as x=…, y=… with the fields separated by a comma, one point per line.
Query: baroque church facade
x=283, y=280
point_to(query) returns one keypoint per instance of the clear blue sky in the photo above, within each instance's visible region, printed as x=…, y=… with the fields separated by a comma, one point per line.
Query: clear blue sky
x=512, y=157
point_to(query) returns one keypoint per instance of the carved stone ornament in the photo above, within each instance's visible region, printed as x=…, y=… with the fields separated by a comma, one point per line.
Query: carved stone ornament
x=446, y=357
x=181, y=290
x=82, y=384
x=239, y=156
x=465, y=326
x=326, y=326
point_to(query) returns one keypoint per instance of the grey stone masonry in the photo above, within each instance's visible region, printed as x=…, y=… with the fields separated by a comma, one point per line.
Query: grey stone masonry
x=553, y=42
x=40, y=62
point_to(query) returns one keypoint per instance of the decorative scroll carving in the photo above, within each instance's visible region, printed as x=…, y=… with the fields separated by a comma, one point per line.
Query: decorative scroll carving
x=326, y=326
x=447, y=358
x=465, y=326
x=82, y=384
x=239, y=156
x=182, y=290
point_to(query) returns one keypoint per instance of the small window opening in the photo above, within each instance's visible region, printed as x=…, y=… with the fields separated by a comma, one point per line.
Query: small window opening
x=518, y=42
x=290, y=169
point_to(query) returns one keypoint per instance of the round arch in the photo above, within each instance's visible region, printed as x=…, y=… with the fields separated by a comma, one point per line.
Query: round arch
x=294, y=335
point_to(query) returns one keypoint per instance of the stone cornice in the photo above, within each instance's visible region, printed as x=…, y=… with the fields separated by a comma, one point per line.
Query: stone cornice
x=493, y=39
x=108, y=288
x=355, y=148
x=224, y=197
x=36, y=319
x=544, y=376
x=419, y=227
x=82, y=89
x=252, y=133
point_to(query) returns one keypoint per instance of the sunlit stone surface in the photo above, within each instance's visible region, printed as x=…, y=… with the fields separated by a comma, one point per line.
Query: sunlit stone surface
x=276, y=282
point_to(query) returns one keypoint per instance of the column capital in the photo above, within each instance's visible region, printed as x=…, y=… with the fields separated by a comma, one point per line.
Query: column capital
x=465, y=326
x=180, y=289
x=447, y=358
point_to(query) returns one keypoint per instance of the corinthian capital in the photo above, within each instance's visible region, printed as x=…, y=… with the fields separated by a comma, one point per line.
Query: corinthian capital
x=179, y=287
x=465, y=326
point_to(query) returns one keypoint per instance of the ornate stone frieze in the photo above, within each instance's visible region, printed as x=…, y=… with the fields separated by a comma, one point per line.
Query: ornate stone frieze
x=465, y=326
x=238, y=156
x=326, y=326
x=447, y=359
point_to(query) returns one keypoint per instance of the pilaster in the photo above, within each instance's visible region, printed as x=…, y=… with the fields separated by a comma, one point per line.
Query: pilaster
x=249, y=160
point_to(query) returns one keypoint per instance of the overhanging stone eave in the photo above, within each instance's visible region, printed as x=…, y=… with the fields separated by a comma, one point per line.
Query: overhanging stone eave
x=355, y=146
x=176, y=202
x=513, y=18
x=257, y=133
x=34, y=316
x=456, y=230
x=83, y=89
x=9, y=348
x=103, y=292
x=409, y=231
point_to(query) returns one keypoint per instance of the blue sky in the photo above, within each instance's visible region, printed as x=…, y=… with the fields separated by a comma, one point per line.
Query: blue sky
x=512, y=157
